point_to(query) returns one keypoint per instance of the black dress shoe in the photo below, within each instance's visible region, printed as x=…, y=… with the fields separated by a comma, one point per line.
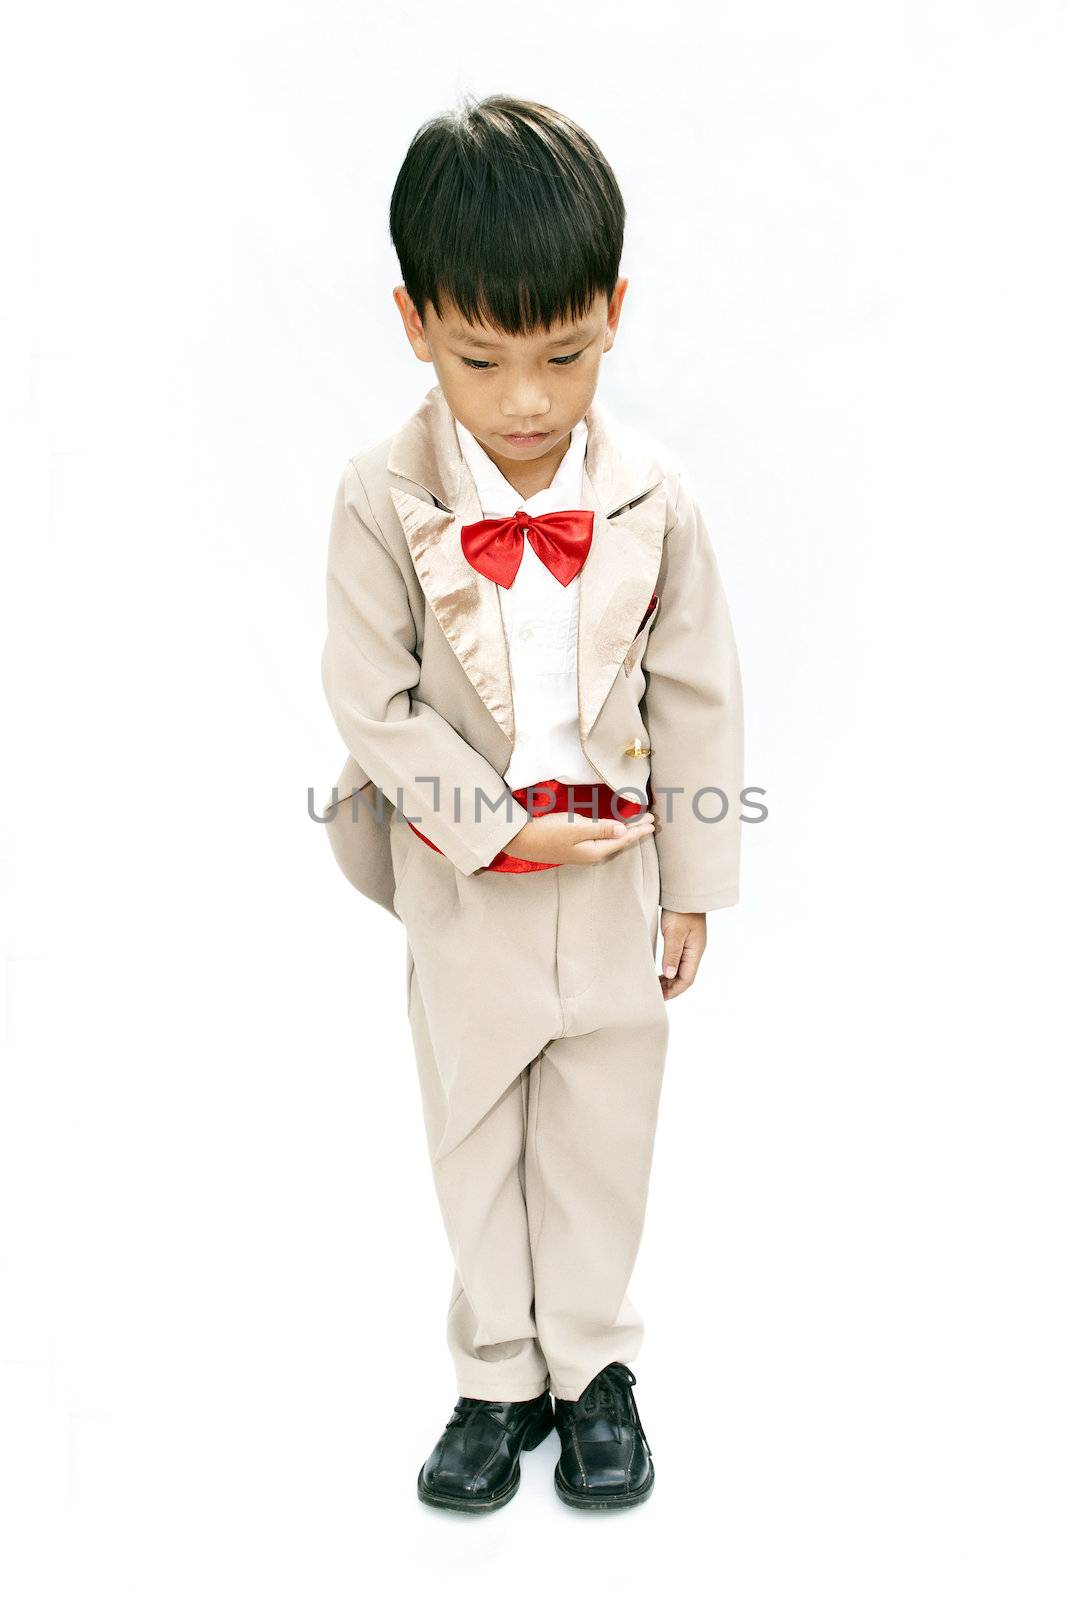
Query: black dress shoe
x=605, y=1460
x=474, y=1466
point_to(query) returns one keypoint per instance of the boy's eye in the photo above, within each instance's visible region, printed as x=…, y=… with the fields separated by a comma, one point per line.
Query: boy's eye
x=554, y=361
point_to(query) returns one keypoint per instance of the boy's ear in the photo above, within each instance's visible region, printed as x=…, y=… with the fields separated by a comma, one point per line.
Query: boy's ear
x=412, y=323
x=614, y=310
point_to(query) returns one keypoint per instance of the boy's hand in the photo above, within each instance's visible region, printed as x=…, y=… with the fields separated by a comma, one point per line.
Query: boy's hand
x=565, y=841
x=685, y=938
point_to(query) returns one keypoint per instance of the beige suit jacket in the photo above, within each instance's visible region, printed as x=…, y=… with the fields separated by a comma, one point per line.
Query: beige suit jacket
x=415, y=665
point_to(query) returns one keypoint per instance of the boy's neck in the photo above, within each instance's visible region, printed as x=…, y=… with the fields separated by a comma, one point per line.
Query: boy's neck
x=529, y=478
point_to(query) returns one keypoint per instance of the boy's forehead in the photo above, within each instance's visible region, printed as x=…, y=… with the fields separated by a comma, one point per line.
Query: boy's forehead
x=488, y=337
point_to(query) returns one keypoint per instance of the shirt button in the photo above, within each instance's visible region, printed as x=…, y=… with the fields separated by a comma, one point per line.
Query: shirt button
x=525, y=633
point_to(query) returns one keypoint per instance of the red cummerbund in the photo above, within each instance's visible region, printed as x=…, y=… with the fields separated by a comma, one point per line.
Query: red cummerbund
x=586, y=800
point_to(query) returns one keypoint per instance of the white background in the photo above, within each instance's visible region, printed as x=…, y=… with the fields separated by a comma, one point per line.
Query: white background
x=223, y=1274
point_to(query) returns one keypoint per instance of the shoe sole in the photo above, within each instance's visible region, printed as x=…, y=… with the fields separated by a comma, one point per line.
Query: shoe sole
x=536, y=1434
x=593, y=1501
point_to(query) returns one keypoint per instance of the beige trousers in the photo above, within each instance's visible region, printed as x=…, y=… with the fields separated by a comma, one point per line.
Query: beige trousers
x=540, y=1034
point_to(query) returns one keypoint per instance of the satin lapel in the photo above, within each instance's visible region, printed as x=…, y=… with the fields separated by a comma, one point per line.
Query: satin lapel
x=624, y=486
x=426, y=452
x=465, y=602
x=616, y=585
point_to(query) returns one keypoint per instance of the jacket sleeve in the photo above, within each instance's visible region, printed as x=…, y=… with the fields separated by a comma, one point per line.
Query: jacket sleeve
x=369, y=668
x=694, y=713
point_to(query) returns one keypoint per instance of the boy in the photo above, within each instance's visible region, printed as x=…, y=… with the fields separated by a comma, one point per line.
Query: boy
x=530, y=660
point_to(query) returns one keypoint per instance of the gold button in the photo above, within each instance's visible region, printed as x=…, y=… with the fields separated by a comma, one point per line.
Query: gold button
x=637, y=749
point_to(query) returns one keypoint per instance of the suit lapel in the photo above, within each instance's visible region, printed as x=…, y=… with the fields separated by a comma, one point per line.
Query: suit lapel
x=622, y=485
x=618, y=577
x=465, y=602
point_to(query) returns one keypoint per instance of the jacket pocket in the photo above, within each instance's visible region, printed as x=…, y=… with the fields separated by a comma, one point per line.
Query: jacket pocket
x=637, y=643
x=652, y=604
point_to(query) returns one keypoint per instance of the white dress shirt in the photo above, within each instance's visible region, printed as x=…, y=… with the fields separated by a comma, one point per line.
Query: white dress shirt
x=541, y=624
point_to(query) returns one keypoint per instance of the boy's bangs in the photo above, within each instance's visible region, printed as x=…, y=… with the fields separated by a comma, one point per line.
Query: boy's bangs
x=519, y=307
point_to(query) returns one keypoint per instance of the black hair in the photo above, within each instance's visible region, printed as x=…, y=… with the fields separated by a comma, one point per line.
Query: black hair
x=510, y=210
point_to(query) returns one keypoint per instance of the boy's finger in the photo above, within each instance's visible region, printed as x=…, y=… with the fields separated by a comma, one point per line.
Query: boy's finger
x=601, y=849
x=613, y=828
x=603, y=828
x=629, y=840
x=673, y=945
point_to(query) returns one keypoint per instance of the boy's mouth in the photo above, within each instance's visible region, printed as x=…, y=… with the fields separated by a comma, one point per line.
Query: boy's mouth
x=525, y=438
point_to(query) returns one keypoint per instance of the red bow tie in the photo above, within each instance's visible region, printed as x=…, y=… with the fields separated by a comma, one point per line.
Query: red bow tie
x=561, y=539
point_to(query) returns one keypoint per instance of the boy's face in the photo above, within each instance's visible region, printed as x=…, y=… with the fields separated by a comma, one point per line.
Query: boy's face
x=519, y=396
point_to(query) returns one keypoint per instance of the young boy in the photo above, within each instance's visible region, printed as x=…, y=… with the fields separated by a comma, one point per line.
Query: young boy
x=531, y=663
